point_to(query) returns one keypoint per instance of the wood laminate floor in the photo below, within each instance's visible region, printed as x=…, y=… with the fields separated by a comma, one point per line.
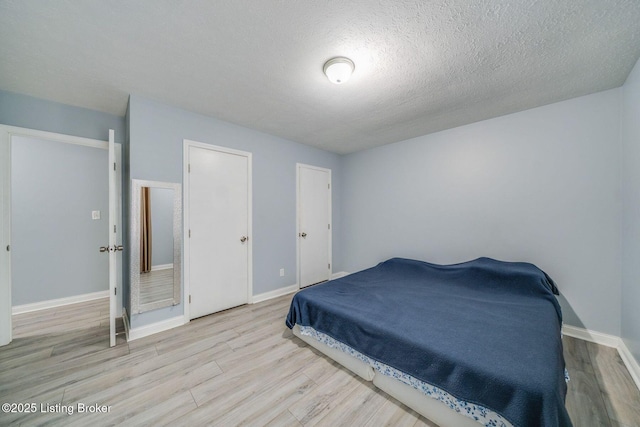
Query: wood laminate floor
x=237, y=367
x=156, y=285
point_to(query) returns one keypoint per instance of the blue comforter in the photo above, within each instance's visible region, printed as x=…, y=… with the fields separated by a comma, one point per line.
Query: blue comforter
x=485, y=331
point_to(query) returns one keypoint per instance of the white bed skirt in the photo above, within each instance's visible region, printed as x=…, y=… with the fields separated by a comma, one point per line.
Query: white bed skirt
x=430, y=408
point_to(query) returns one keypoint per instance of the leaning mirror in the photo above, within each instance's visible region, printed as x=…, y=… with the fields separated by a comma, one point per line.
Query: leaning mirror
x=156, y=209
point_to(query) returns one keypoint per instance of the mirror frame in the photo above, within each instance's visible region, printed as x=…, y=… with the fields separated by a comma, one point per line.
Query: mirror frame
x=134, y=271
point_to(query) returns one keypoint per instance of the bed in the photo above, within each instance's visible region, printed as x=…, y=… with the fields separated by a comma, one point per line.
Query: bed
x=475, y=342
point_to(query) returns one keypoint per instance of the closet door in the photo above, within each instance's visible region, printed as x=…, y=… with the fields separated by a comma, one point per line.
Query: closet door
x=219, y=222
x=314, y=225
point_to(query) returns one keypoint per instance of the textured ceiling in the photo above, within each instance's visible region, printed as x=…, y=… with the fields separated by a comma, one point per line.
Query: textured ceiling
x=421, y=66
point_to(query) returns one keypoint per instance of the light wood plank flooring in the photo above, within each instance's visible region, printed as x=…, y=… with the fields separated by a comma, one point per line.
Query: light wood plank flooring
x=237, y=367
x=156, y=285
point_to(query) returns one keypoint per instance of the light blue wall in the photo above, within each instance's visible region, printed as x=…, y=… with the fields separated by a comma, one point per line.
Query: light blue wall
x=631, y=213
x=54, y=240
x=540, y=186
x=156, y=143
x=34, y=113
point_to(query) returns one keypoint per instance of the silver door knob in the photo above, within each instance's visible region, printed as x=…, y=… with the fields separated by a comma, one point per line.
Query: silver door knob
x=111, y=248
x=244, y=239
x=303, y=234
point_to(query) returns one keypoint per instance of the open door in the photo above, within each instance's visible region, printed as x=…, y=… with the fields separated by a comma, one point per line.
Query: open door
x=113, y=247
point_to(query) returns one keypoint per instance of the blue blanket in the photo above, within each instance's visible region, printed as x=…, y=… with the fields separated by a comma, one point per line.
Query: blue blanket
x=485, y=331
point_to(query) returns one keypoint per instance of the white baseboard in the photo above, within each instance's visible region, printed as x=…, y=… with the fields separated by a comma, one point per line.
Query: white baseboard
x=339, y=274
x=630, y=362
x=274, y=294
x=161, y=267
x=591, y=336
x=154, y=328
x=610, y=341
x=287, y=290
x=43, y=305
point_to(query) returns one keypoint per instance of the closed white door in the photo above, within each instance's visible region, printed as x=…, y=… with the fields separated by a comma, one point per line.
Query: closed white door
x=218, y=229
x=314, y=225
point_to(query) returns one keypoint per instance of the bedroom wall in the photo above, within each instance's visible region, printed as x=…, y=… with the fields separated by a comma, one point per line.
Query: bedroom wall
x=54, y=240
x=540, y=185
x=631, y=213
x=156, y=143
x=34, y=113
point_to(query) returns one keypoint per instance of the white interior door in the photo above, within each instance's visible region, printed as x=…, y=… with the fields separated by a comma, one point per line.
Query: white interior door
x=219, y=222
x=314, y=225
x=113, y=234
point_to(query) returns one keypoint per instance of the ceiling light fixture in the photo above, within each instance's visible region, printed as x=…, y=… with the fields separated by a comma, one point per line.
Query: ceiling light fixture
x=338, y=70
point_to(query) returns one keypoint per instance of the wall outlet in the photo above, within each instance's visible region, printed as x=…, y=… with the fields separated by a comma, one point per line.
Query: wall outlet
x=95, y=214
x=281, y=272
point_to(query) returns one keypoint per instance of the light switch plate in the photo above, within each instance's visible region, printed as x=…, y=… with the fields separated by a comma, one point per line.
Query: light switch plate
x=281, y=272
x=95, y=214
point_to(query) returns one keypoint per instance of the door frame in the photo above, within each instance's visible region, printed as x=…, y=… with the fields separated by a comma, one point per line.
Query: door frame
x=298, y=209
x=6, y=134
x=187, y=143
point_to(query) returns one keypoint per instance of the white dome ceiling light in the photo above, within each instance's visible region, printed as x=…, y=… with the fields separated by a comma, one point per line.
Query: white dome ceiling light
x=338, y=70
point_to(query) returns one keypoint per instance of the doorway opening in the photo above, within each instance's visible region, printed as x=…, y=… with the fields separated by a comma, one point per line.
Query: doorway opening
x=55, y=202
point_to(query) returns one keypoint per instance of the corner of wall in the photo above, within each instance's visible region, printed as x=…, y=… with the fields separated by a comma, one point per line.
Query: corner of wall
x=630, y=224
x=126, y=203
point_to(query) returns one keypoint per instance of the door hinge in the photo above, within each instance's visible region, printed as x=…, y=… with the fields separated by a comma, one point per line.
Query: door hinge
x=189, y=168
x=329, y=186
x=189, y=233
x=115, y=291
x=328, y=226
x=329, y=265
x=189, y=299
x=114, y=228
x=114, y=166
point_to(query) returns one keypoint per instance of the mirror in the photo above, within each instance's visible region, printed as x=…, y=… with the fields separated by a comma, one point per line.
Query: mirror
x=156, y=220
